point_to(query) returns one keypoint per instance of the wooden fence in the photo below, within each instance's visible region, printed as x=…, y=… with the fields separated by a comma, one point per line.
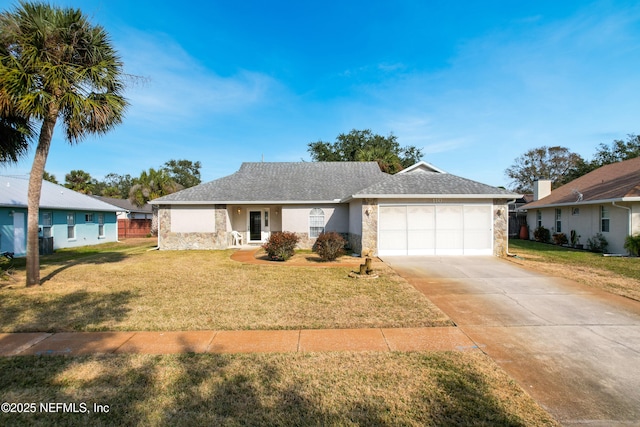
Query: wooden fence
x=133, y=228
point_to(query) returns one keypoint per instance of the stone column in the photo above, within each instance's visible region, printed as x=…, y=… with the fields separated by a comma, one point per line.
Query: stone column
x=370, y=226
x=500, y=228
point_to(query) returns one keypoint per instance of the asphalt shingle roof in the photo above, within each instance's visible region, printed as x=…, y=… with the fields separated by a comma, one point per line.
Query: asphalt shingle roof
x=326, y=181
x=283, y=182
x=125, y=204
x=431, y=183
x=611, y=182
x=14, y=190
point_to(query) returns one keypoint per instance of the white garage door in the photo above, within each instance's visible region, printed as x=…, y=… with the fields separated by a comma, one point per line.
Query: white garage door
x=435, y=230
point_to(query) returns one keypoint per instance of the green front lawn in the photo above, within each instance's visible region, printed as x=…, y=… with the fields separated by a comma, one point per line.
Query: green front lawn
x=619, y=275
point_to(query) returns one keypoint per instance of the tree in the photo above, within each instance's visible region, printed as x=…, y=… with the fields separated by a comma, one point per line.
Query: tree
x=116, y=186
x=363, y=145
x=618, y=151
x=184, y=172
x=15, y=133
x=55, y=64
x=80, y=181
x=49, y=177
x=543, y=162
x=151, y=185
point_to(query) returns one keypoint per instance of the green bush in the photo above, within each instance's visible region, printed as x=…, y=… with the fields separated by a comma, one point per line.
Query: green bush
x=632, y=244
x=597, y=243
x=329, y=246
x=560, y=239
x=281, y=245
x=542, y=235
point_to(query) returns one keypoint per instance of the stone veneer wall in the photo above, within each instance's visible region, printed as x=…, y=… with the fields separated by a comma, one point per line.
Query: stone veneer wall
x=500, y=228
x=369, y=240
x=180, y=241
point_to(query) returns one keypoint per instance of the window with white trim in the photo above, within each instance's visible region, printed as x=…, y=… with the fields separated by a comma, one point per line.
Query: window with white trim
x=88, y=217
x=604, y=219
x=71, y=226
x=539, y=218
x=558, y=220
x=316, y=222
x=47, y=222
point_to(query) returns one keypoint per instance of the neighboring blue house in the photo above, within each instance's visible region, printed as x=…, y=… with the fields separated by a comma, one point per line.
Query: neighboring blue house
x=70, y=218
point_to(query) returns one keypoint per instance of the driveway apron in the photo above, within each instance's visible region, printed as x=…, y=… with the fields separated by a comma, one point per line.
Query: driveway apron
x=574, y=349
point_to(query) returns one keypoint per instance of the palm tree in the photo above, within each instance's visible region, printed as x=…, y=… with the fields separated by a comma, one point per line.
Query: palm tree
x=151, y=185
x=55, y=64
x=387, y=161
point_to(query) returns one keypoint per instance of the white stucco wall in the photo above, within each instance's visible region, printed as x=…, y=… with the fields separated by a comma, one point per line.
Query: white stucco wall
x=355, y=217
x=295, y=218
x=193, y=219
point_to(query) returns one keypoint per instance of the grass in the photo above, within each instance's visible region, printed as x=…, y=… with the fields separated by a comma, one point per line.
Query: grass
x=618, y=275
x=322, y=389
x=127, y=286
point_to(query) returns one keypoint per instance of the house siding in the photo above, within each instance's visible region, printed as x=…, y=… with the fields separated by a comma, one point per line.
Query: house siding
x=86, y=233
x=213, y=236
x=587, y=222
x=295, y=218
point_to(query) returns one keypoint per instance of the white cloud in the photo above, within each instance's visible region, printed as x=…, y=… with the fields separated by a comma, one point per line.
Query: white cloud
x=178, y=88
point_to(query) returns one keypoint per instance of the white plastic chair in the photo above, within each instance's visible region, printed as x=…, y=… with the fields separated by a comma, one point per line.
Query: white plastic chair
x=237, y=238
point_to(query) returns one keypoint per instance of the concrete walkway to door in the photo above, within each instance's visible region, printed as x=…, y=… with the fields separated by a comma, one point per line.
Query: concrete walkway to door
x=574, y=349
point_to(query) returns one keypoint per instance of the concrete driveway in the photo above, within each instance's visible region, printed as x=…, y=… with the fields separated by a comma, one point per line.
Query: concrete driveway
x=575, y=350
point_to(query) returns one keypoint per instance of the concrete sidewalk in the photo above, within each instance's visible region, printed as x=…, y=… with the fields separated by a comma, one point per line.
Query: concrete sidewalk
x=272, y=341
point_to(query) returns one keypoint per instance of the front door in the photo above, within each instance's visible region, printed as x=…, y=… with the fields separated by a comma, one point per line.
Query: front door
x=18, y=233
x=255, y=225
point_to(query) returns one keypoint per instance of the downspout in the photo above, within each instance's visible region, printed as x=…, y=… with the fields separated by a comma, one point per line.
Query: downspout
x=630, y=216
x=507, y=251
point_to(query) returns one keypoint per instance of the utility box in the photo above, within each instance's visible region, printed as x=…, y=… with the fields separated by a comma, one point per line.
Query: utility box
x=46, y=245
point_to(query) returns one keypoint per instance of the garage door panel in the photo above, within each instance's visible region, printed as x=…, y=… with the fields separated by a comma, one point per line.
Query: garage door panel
x=477, y=230
x=393, y=218
x=421, y=239
x=449, y=232
x=435, y=230
x=421, y=242
x=392, y=228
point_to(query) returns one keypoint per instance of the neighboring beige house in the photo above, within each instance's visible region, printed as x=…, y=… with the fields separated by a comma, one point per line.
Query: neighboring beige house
x=419, y=211
x=605, y=201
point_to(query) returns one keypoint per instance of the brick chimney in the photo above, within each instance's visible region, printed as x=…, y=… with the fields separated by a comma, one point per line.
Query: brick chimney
x=541, y=188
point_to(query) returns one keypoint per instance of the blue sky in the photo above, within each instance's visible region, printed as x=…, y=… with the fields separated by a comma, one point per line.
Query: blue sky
x=474, y=84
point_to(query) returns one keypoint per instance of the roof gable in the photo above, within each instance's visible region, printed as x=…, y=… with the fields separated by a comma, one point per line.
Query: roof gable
x=14, y=190
x=421, y=166
x=613, y=182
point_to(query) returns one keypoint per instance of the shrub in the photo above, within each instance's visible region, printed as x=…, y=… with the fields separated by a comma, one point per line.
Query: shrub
x=281, y=245
x=541, y=234
x=597, y=243
x=560, y=239
x=632, y=244
x=575, y=238
x=329, y=246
